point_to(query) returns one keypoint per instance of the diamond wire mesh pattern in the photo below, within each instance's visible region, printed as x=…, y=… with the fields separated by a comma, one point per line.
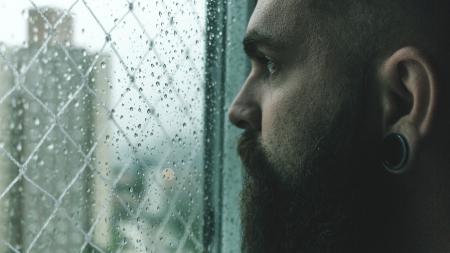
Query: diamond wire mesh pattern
x=100, y=150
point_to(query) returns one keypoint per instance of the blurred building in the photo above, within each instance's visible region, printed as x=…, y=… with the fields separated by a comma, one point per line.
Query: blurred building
x=64, y=190
x=55, y=194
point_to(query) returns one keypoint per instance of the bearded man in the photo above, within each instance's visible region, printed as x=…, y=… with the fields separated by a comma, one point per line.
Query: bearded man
x=346, y=118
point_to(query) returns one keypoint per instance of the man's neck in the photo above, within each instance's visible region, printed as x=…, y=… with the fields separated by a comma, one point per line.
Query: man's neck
x=416, y=217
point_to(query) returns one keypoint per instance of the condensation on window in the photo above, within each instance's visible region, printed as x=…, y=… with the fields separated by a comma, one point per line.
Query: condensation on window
x=101, y=118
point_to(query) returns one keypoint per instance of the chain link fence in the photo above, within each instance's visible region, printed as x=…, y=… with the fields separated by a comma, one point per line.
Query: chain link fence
x=101, y=140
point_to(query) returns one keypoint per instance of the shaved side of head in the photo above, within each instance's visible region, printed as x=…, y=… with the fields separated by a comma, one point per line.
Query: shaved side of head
x=379, y=27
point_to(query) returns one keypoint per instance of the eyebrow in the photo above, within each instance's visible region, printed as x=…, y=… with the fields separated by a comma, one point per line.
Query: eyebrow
x=255, y=39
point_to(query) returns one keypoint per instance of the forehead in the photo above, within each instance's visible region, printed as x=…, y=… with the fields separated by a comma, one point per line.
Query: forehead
x=278, y=18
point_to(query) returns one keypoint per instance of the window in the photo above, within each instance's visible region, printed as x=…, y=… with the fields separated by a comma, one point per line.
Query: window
x=113, y=130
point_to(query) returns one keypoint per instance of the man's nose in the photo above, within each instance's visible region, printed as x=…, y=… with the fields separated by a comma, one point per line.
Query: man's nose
x=245, y=112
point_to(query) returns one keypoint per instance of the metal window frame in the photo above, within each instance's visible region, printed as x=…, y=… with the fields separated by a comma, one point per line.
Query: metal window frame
x=226, y=69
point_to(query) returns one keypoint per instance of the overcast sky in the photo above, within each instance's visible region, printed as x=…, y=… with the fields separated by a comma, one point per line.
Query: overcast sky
x=181, y=52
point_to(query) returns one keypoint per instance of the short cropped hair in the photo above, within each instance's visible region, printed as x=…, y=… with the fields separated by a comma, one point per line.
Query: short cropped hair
x=381, y=26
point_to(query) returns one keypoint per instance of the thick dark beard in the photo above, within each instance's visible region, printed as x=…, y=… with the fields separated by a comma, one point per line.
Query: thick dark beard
x=322, y=213
x=281, y=218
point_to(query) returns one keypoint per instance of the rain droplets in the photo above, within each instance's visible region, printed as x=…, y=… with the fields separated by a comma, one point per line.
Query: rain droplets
x=113, y=125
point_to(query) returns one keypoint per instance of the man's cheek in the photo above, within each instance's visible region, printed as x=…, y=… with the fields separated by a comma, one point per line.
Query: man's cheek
x=271, y=113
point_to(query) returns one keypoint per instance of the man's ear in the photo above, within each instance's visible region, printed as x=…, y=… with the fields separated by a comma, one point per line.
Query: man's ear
x=408, y=93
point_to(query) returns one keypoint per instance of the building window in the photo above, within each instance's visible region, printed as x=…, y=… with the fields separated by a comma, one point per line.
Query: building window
x=113, y=131
x=102, y=124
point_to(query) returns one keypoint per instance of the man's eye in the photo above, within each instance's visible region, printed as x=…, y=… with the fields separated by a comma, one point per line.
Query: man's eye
x=267, y=65
x=271, y=66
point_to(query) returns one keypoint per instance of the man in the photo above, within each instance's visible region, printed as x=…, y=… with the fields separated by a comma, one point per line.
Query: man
x=346, y=117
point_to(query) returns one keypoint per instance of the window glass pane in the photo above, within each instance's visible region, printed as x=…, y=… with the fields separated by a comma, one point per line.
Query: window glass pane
x=101, y=130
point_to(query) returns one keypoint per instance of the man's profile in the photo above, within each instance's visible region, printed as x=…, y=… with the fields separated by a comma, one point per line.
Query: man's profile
x=346, y=118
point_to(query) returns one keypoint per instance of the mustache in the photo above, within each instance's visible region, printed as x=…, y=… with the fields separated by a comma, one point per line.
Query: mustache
x=252, y=154
x=248, y=141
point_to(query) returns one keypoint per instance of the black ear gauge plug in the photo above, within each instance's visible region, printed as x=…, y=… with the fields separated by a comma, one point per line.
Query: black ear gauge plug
x=395, y=153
